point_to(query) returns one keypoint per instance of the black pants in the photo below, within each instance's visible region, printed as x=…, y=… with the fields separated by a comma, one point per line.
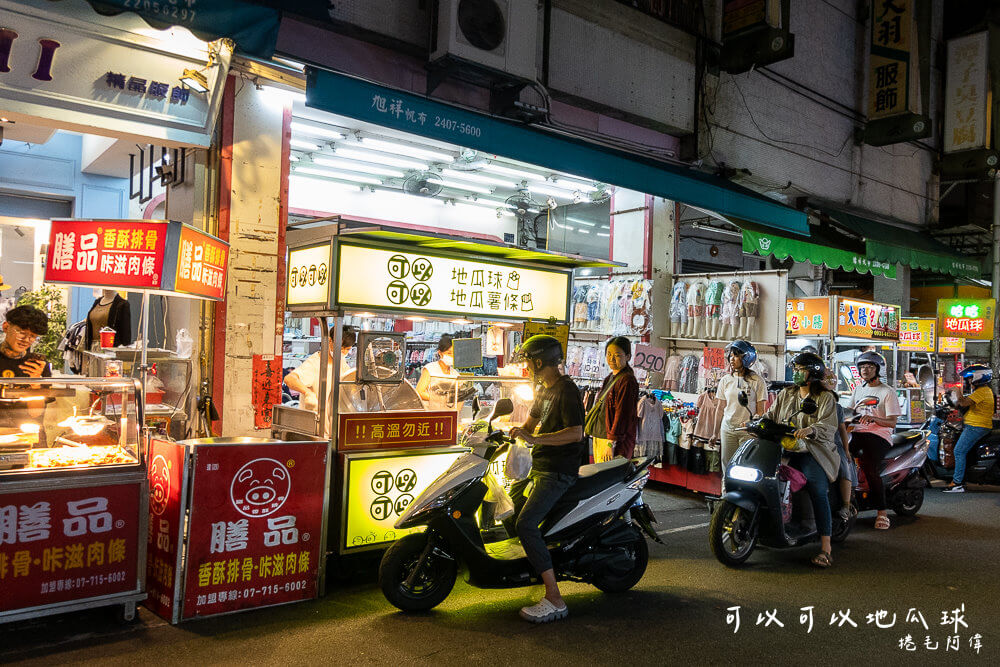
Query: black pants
x=871, y=449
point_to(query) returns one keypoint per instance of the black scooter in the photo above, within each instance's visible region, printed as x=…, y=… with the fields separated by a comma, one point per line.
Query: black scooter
x=982, y=465
x=750, y=511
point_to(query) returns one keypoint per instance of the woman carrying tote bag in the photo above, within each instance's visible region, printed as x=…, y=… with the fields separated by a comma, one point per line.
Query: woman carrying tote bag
x=613, y=422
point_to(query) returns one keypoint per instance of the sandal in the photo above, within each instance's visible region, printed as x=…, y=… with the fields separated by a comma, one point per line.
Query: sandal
x=823, y=559
x=543, y=612
x=882, y=523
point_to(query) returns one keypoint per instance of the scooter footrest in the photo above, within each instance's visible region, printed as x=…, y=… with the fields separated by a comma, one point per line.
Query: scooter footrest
x=506, y=550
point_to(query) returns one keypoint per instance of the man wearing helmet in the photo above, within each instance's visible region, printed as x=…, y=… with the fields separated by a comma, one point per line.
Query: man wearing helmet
x=554, y=430
x=978, y=419
x=872, y=437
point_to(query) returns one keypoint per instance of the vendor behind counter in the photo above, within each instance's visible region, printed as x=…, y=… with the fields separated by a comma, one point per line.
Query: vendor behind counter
x=23, y=326
x=305, y=378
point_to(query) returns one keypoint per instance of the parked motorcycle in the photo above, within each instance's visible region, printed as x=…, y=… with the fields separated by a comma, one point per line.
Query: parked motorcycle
x=750, y=511
x=594, y=533
x=982, y=465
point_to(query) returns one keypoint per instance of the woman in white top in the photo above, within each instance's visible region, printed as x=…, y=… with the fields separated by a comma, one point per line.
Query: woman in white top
x=436, y=385
x=741, y=355
x=305, y=378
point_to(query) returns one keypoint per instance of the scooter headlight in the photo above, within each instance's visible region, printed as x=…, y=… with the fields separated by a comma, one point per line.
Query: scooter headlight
x=745, y=474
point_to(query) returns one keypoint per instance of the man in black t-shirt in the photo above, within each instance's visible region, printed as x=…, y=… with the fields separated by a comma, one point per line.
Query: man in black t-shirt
x=23, y=326
x=557, y=448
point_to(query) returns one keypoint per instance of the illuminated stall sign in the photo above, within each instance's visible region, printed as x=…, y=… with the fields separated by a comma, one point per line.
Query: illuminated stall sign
x=397, y=429
x=309, y=276
x=807, y=317
x=948, y=345
x=966, y=318
x=864, y=319
x=158, y=256
x=917, y=334
x=379, y=488
x=390, y=279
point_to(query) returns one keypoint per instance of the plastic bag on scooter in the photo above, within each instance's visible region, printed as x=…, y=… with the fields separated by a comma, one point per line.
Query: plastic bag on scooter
x=518, y=463
x=794, y=477
x=495, y=493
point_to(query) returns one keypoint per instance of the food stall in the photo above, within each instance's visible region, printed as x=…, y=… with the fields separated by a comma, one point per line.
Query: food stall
x=387, y=444
x=916, y=379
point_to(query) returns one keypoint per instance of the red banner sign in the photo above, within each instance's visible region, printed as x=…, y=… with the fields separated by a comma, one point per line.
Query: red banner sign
x=166, y=499
x=387, y=430
x=254, y=537
x=122, y=253
x=266, y=388
x=58, y=545
x=201, y=264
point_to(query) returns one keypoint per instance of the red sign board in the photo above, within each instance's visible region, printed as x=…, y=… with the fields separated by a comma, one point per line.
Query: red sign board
x=123, y=253
x=254, y=537
x=166, y=499
x=265, y=388
x=387, y=430
x=201, y=264
x=58, y=545
x=715, y=357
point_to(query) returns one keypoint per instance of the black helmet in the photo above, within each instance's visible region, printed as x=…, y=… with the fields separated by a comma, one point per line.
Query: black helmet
x=812, y=363
x=546, y=349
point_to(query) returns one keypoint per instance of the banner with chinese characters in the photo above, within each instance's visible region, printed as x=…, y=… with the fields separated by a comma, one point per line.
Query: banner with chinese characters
x=384, y=430
x=864, y=319
x=59, y=545
x=807, y=317
x=254, y=536
x=948, y=345
x=966, y=93
x=917, y=334
x=167, y=481
x=265, y=388
x=378, y=489
x=971, y=319
x=157, y=256
x=448, y=285
x=889, y=78
x=309, y=276
x=560, y=331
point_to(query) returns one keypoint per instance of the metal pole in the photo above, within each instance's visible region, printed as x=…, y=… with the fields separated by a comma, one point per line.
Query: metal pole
x=143, y=368
x=995, y=287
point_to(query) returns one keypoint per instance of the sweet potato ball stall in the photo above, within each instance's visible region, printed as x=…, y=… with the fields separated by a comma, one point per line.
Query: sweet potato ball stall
x=73, y=477
x=389, y=444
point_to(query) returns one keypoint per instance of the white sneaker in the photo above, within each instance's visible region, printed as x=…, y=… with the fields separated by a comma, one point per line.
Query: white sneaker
x=543, y=612
x=958, y=488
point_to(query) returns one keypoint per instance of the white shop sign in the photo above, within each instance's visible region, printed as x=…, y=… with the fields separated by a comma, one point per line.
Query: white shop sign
x=62, y=64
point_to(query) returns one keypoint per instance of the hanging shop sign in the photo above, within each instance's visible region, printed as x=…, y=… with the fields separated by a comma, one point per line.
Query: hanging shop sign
x=916, y=334
x=167, y=490
x=765, y=244
x=560, y=331
x=60, y=545
x=309, y=275
x=159, y=256
x=647, y=357
x=807, y=317
x=395, y=279
x=971, y=319
x=966, y=120
x=947, y=345
x=111, y=76
x=255, y=529
x=889, y=62
x=378, y=490
x=420, y=428
x=864, y=319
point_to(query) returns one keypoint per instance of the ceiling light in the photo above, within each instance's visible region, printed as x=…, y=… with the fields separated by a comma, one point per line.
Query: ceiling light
x=281, y=97
x=583, y=231
x=507, y=171
x=466, y=187
x=341, y=175
x=416, y=318
x=502, y=325
x=315, y=130
x=364, y=314
x=195, y=80
x=550, y=190
x=293, y=158
x=303, y=145
x=575, y=185
x=477, y=178
x=581, y=222
x=461, y=321
x=604, y=234
x=392, y=147
x=372, y=156
x=351, y=165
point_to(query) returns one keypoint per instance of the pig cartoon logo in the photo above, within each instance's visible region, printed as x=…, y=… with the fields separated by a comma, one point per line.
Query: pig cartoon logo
x=260, y=488
x=159, y=485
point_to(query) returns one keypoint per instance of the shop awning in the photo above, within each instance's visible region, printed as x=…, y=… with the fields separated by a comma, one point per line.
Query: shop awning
x=888, y=243
x=820, y=250
x=253, y=28
x=406, y=112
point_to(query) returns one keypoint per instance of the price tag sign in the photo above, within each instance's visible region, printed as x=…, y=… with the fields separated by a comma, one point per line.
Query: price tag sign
x=715, y=357
x=652, y=359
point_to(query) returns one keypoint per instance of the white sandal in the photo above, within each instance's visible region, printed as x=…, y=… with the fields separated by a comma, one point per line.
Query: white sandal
x=543, y=612
x=882, y=523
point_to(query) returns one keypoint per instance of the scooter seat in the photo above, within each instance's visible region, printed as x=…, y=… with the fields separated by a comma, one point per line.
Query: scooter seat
x=595, y=477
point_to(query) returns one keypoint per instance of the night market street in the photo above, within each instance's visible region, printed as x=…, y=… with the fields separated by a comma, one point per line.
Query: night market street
x=936, y=562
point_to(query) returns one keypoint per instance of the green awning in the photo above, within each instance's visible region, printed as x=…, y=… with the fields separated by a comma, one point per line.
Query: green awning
x=764, y=244
x=888, y=243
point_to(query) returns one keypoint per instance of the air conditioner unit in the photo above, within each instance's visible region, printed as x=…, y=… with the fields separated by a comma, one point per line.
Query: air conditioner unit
x=500, y=35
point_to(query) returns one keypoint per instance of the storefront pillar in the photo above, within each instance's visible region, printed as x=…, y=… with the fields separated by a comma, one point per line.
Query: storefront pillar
x=251, y=220
x=895, y=291
x=662, y=235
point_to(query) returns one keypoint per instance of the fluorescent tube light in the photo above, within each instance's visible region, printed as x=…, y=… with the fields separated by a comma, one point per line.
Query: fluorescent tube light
x=360, y=153
x=351, y=165
x=477, y=178
x=315, y=130
x=508, y=171
x=303, y=145
x=467, y=187
x=393, y=147
x=341, y=175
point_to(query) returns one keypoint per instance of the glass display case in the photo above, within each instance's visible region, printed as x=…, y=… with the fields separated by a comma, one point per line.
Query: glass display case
x=477, y=394
x=49, y=424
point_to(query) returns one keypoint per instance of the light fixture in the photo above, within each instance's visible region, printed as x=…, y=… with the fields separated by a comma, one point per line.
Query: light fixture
x=372, y=156
x=29, y=427
x=303, y=145
x=416, y=318
x=507, y=171
x=341, y=175
x=465, y=186
x=404, y=149
x=477, y=178
x=526, y=392
x=364, y=314
x=326, y=184
x=461, y=321
x=583, y=231
x=351, y=165
x=280, y=97
x=575, y=185
x=604, y=234
x=716, y=230
x=195, y=80
x=315, y=130
x=549, y=189
x=502, y=325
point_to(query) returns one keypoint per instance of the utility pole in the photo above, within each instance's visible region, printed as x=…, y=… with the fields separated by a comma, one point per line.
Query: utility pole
x=995, y=287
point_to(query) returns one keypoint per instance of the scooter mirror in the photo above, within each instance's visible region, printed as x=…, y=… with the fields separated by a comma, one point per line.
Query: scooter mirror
x=503, y=407
x=809, y=406
x=742, y=398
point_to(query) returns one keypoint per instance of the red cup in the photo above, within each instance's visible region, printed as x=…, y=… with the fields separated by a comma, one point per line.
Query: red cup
x=107, y=337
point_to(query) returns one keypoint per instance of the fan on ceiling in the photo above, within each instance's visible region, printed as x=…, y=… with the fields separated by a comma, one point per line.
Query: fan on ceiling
x=601, y=194
x=524, y=208
x=469, y=160
x=423, y=184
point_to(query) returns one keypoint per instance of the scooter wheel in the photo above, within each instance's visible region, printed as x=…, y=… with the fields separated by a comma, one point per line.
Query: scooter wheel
x=907, y=502
x=731, y=535
x=619, y=583
x=428, y=588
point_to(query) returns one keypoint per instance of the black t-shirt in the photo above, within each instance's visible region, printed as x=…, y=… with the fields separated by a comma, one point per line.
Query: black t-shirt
x=556, y=408
x=15, y=413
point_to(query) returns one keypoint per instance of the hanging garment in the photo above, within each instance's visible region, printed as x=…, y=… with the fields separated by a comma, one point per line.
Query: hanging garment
x=71, y=346
x=731, y=303
x=678, y=304
x=688, y=378
x=672, y=373
x=708, y=417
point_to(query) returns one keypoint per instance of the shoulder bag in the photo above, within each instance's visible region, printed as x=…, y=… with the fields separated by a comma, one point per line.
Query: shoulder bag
x=596, y=425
